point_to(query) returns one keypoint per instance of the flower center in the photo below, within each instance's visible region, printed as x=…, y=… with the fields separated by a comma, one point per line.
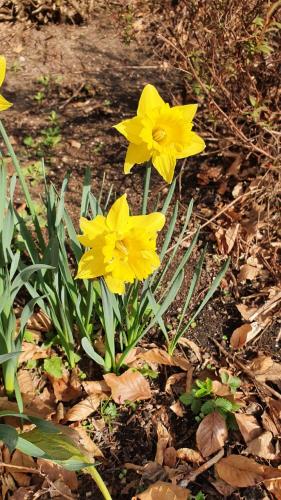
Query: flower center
x=159, y=134
x=119, y=245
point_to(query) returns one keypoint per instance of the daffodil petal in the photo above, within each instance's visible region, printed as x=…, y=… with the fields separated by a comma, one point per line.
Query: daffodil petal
x=146, y=263
x=165, y=163
x=187, y=111
x=136, y=154
x=149, y=100
x=118, y=216
x=150, y=223
x=4, y=104
x=91, y=265
x=194, y=146
x=92, y=229
x=115, y=285
x=2, y=69
x=131, y=129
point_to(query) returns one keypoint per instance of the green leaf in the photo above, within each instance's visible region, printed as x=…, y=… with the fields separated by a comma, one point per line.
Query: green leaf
x=9, y=436
x=10, y=355
x=224, y=405
x=86, y=344
x=53, y=366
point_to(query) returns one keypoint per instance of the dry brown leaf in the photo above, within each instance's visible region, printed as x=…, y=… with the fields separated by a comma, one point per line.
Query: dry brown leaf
x=245, y=311
x=39, y=321
x=87, y=443
x=242, y=472
x=66, y=388
x=222, y=487
x=248, y=426
x=220, y=389
x=33, y=351
x=211, y=434
x=264, y=369
x=55, y=472
x=262, y=446
x=173, y=379
x=84, y=408
x=130, y=386
x=189, y=455
x=195, y=348
x=274, y=486
x=177, y=409
x=95, y=387
x=226, y=239
x=275, y=412
x=163, y=439
x=23, y=493
x=243, y=334
x=22, y=460
x=170, y=457
x=268, y=424
x=26, y=385
x=161, y=357
x=248, y=272
x=163, y=491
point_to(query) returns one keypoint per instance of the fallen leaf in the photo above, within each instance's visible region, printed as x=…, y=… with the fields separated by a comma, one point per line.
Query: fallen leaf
x=248, y=272
x=242, y=472
x=211, y=434
x=54, y=472
x=177, y=409
x=220, y=389
x=245, y=311
x=96, y=387
x=268, y=424
x=84, y=408
x=87, y=443
x=163, y=438
x=237, y=190
x=226, y=239
x=170, y=457
x=161, y=357
x=33, y=351
x=195, y=348
x=173, y=379
x=189, y=455
x=39, y=321
x=262, y=446
x=264, y=369
x=22, y=460
x=130, y=386
x=274, y=486
x=66, y=388
x=248, y=426
x=222, y=487
x=275, y=412
x=163, y=491
x=243, y=334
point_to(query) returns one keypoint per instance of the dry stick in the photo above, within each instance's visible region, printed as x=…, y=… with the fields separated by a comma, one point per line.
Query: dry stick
x=217, y=215
x=193, y=475
x=75, y=94
x=263, y=387
x=226, y=117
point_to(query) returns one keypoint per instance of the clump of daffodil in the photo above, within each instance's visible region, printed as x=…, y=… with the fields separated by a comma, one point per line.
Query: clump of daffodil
x=122, y=247
x=160, y=133
x=4, y=104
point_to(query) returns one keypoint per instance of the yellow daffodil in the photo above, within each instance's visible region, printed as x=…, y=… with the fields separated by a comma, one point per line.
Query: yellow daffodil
x=4, y=104
x=160, y=133
x=122, y=247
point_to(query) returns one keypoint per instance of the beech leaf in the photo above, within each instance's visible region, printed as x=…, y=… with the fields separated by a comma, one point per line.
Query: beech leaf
x=248, y=426
x=189, y=455
x=163, y=491
x=262, y=446
x=211, y=434
x=82, y=410
x=130, y=386
x=242, y=472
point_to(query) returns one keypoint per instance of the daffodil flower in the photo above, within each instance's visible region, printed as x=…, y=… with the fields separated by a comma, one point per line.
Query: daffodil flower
x=4, y=104
x=122, y=247
x=160, y=133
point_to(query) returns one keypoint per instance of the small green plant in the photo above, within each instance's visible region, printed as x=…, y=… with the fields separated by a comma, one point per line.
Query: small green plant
x=109, y=412
x=203, y=401
x=39, y=96
x=44, y=80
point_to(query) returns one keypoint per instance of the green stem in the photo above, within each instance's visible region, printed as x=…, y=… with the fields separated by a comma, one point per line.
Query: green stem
x=146, y=188
x=9, y=378
x=99, y=481
x=23, y=184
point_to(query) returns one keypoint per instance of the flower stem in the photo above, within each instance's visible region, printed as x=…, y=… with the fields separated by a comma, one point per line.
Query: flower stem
x=99, y=481
x=146, y=188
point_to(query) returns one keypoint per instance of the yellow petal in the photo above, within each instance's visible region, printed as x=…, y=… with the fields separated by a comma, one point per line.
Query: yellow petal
x=91, y=229
x=146, y=263
x=188, y=111
x=115, y=285
x=2, y=69
x=4, y=104
x=118, y=216
x=194, y=146
x=150, y=223
x=131, y=129
x=91, y=265
x=136, y=154
x=165, y=163
x=149, y=100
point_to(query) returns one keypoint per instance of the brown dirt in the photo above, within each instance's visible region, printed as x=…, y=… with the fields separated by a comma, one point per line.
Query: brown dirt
x=95, y=81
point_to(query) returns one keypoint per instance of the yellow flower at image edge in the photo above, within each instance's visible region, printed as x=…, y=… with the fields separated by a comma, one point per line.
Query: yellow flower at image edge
x=122, y=247
x=160, y=133
x=4, y=104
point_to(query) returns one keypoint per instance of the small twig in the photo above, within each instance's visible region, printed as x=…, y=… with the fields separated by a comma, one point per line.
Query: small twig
x=235, y=361
x=75, y=94
x=193, y=475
